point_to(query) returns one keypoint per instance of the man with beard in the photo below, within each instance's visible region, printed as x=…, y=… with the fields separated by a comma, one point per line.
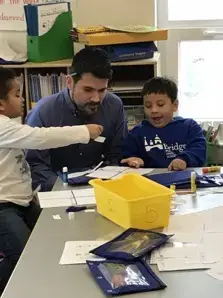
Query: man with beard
x=84, y=101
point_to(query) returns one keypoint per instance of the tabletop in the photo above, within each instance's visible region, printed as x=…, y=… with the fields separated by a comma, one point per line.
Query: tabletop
x=38, y=273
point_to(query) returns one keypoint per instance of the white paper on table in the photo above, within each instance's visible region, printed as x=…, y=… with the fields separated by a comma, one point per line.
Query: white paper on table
x=210, y=238
x=102, y=174
x=174, y=252
x=189, y=223
x=86, y=200
x=216, y=271
x=180, y=264
x=183, y=238
x=115, y=172
x=213, y=244
x=77, y=252
x=66, y=198
x=192, y=252
x=84, y=196
x=200, y=252
x=56, y=203
x=51, y=199
x=115, y=169
x=155, y=255
x=131, y=170
x=213, y=219
x=84, y=192
x=84, y=173
x=78, y=174
x=141, y=171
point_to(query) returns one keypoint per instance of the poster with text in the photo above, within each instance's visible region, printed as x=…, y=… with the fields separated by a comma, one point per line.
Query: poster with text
x=12, y=15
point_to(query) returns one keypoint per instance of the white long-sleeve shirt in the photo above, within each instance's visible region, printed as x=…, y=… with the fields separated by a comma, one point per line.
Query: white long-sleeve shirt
x=15, y=176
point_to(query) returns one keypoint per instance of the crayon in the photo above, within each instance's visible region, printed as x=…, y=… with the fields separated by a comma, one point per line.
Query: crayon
x=211, y=169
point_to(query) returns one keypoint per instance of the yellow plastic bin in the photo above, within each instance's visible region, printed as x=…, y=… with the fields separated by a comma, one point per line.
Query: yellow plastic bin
x=133, y=201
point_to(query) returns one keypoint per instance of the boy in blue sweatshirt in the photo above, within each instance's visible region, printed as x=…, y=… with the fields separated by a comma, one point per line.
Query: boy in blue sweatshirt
x=163, y=141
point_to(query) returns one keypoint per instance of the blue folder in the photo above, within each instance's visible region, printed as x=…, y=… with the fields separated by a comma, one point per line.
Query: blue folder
x=181, y=179
x=78, y=181
x=130, y=51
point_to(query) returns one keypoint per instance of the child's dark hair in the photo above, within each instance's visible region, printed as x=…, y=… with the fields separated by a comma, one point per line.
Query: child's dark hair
x=160, y=85
x=6, y=77
x=91, y=60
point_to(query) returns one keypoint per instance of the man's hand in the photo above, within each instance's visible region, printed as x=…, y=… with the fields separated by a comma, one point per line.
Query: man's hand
x=133, y=162
x=177, y=165
x=94, y=130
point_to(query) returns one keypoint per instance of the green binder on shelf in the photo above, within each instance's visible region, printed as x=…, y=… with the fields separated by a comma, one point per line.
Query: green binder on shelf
x=53, y=45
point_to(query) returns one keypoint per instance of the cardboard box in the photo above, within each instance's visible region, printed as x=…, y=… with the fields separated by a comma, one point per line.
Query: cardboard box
x=108, y=38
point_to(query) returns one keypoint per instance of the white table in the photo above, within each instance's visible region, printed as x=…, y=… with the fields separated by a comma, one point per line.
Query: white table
x=38, y=274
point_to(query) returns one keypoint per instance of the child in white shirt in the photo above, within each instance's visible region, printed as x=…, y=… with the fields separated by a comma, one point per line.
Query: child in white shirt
x=18, y=213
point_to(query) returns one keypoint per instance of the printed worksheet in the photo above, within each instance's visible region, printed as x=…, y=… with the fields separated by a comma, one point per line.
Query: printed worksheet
x=77, y=252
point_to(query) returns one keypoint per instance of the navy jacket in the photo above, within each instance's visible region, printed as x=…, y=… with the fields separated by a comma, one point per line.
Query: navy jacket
x=58, y=110
x=181, y=138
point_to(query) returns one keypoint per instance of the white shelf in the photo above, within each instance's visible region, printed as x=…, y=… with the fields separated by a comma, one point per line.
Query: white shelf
x=127, y=86
x=68, y=62
x=59, y=63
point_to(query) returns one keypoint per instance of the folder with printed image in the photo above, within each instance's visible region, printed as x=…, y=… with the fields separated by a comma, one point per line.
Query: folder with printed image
x=48, y=35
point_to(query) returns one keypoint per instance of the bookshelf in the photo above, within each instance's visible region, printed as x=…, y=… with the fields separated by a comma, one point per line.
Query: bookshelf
x=128, y=79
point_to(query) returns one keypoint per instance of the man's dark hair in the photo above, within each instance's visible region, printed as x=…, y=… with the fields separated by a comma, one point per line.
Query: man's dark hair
x=91, y=60
x=6, y=77
x=160, y=85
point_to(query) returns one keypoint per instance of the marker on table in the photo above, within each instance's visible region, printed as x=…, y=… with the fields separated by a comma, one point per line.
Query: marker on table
x=173, y=187
x=211, y=169
x=65, y=176
x=193, y=182
x=184, y=192
x=79, y=208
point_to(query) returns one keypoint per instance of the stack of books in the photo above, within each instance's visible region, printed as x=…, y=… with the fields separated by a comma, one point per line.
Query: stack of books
x=43, y=86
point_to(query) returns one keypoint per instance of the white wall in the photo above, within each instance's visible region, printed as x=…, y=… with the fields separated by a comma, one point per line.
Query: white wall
x=94, y=12
x=17, y=40
x=118, y=12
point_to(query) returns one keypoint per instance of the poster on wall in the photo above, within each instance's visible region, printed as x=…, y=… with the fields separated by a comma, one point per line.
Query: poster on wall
x=12, y=15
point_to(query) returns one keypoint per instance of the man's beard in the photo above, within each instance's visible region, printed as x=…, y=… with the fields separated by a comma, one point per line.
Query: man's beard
x=88, y=109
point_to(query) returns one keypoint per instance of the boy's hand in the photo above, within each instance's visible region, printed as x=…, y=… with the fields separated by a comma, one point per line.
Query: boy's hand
x=177, y=165
x=94, y=130
x=133, y=162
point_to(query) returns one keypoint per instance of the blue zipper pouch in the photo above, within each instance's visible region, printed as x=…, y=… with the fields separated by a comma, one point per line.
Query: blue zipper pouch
x=78, y=179
x=131, y=245
x=120, y=277
x=181, y=179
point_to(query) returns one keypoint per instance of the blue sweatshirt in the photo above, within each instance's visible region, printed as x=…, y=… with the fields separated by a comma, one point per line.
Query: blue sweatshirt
x=58, y=110
x=157, y=147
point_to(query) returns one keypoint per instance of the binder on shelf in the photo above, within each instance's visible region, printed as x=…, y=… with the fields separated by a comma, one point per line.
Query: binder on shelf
x=54, y=44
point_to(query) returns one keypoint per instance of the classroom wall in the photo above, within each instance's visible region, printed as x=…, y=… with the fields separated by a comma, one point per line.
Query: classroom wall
x=94, y=12
x=118, y=12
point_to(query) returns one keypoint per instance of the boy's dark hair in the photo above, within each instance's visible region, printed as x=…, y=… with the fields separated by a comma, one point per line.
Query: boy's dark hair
x=160, y=85
x=91, y=60
x=6, y=77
